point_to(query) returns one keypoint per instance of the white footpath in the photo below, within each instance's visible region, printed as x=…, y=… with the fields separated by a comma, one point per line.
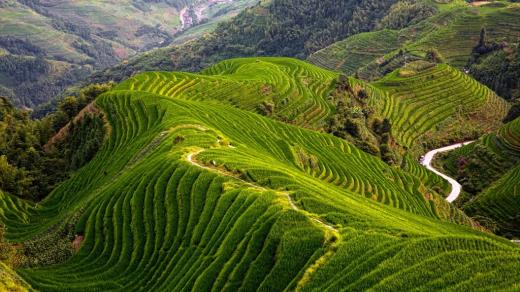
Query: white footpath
x=427, y=161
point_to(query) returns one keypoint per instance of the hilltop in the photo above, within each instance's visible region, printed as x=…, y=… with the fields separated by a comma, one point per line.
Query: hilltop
x=196, y=192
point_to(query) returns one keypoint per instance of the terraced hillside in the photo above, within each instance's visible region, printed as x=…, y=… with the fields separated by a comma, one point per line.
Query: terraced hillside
x=453, y=32
x=187, y=195
x=490, y=169
x=287, y=89
x=428, y=104
x=349, y=55
x=296, y=92
x=192, y=193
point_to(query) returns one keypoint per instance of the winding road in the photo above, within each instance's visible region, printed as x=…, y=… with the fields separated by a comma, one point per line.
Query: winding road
x=427, y=161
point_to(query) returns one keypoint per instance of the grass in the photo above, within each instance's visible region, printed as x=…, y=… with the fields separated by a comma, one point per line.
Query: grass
x=155, y=221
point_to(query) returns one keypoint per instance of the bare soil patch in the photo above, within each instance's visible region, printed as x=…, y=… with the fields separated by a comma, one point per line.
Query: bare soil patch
x=76, y=243
x=479, y=3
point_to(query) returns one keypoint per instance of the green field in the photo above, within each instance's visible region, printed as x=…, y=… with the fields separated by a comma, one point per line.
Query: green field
x=192, y=190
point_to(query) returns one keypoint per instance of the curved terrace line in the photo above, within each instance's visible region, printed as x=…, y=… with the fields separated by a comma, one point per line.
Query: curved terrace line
x=427, y=160
x=190, y=159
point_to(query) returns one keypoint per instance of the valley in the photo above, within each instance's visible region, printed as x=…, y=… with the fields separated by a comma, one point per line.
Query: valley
x=58, y=43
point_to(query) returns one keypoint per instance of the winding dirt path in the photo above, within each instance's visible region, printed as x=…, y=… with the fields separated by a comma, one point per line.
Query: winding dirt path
x=427, y=161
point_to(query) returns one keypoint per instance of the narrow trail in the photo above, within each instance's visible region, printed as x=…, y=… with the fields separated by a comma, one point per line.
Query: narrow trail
x=427, y=161
x=190, y=156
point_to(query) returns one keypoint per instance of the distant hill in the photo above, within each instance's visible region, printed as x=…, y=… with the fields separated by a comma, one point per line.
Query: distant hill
x=53, y=44
x=453, y=32
x=289, y=28
x=191, y=193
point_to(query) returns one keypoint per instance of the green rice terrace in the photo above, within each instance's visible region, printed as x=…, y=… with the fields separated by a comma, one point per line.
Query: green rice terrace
x=454, y=31
x=438, y=103
x=194, y=190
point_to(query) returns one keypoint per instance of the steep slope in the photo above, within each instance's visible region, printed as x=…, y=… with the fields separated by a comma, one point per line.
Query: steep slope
x=453, y=32
x=489, y=170
x=186, y=195
x=70, y=39
x=432, y=104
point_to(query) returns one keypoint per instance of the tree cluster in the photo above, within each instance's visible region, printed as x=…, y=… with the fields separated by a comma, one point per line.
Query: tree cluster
x=355, y=121
x=30, y=170
x=497, y=66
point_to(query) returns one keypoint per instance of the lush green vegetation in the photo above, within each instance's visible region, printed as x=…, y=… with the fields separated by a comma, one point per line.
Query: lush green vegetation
x=192, y=190
x=498, y=67
x=488, y=170
x=431, y=105
x=35, y=155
